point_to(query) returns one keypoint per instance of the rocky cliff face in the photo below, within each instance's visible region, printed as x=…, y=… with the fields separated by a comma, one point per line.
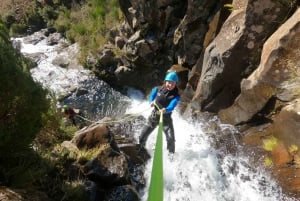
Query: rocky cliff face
x=234, y=52
x=272, y=92
x=240, y=62
x=155, y=36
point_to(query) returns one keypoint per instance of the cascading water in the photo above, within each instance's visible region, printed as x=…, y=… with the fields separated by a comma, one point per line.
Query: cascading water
x=78, y=87
x=195, y=172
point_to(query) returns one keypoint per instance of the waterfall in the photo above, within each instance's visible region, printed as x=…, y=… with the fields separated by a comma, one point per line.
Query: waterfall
x=197, y=171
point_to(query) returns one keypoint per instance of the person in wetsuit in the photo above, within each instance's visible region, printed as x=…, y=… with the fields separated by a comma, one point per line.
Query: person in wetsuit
x=70, y=113
x=163, y=98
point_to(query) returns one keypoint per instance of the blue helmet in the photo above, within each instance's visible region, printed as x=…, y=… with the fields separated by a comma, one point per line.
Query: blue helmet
x=172, y=77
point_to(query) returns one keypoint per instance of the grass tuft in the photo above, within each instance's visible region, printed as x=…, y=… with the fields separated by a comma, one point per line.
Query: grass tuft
x=293, y=149
x=270, y=143
x=268, y=162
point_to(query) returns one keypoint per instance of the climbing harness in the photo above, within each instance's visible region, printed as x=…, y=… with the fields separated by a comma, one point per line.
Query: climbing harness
x=157, y=180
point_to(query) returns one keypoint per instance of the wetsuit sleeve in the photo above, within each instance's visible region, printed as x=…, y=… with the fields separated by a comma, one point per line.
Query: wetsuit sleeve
x=153, y=94
x=172, y=104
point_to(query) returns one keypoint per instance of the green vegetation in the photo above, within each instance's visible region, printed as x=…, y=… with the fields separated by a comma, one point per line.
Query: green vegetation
x=21, y=16
x=229, y=7
x=21, y=108
x=74, y=191
x=23, y=104
x=293, y=149
x=87, y=154
x=89, y=24
x=268, y=162
x=86, y=22
x=270, y=143
x=30, y=126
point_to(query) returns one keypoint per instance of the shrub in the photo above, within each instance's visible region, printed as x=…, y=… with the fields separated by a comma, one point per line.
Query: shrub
x=22, y=101
x=62, y=23
x=18, y=28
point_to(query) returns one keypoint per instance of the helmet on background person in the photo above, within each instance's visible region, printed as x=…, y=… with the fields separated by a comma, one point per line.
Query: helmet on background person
x=172, y=77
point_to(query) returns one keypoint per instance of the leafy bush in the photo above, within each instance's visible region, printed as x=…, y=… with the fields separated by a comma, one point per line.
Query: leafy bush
x=17, y=28
x=74, y=191
x=21, y=169
x=22, y=101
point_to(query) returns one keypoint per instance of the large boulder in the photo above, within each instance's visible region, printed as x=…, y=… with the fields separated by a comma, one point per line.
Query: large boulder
x=108, y=169
x=286, y=124
x=111, y=172
x=275, y=75
x=92, y=136
x=235, y=52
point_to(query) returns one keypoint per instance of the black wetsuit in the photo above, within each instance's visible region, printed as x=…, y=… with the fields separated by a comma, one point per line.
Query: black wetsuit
x=163, y=98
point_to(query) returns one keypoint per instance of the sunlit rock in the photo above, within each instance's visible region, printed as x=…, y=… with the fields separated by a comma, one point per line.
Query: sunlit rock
x=279, y=58
x=92, y=136
x=228, y=59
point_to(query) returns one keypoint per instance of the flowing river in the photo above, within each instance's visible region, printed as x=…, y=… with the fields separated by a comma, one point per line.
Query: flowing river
x=196, y=172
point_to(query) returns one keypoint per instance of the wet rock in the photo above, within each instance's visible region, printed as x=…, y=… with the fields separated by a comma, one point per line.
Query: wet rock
x=136, y=156
x=281, y=156
x=92, y=136
x=60, y=61
x=286, y=124
x=108, y=169
x=289, y=180
x=119, y=42
x=54, y=38
x=34, y=38
x=126, y=193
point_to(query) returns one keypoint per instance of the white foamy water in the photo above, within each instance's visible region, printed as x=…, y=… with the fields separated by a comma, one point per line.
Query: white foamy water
x=57, y=79
x=196, y=173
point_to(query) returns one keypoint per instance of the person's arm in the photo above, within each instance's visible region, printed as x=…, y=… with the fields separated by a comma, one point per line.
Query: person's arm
x=153, y=94
x=172, y=104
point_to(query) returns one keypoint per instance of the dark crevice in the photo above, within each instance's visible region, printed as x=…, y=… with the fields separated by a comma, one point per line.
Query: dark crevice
x=263, y=116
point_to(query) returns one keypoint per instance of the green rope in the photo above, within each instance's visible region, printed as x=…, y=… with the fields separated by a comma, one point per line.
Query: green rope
x=156, y=188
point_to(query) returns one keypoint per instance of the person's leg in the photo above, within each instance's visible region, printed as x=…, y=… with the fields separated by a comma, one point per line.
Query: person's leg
x=148, y=128
x=169, y=133
x=73, y=121
x=145, y=134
